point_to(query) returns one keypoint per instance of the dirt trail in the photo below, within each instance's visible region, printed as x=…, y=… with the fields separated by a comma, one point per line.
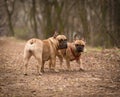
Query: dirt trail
x=101, y=77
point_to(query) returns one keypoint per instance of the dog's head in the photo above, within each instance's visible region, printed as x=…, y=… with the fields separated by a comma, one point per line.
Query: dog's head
x=62, y=41
x=79, y=44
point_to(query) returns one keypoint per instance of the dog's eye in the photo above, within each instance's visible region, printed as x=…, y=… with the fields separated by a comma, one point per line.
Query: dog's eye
x=65, y=39
x=82, y=45
x=76, y=44
x=60, y=40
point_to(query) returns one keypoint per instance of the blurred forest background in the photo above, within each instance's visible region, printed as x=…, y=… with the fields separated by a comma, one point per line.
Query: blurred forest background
x=98, y=21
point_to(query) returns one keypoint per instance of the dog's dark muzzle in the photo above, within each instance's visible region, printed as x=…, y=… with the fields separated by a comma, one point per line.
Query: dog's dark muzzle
x=62, y=45
x=80, y=48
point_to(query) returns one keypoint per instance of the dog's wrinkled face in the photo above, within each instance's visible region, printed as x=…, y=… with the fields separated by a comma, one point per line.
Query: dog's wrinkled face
x=79, y=45
x=62, y=41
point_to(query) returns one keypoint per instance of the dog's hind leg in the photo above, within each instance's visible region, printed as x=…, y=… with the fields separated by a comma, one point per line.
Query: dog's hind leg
x=50, y=64
x=27, y=55
x=42, y=67
x=38, y=66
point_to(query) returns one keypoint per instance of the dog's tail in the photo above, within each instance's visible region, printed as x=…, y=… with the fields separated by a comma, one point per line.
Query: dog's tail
x=29, y=47
x=32, y=41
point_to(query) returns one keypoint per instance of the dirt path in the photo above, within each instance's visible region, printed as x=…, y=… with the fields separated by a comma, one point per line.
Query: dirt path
x=100, y=79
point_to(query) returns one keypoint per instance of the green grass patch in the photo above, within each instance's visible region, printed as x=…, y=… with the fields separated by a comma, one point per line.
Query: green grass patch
x=21, y=33
x=98, y=49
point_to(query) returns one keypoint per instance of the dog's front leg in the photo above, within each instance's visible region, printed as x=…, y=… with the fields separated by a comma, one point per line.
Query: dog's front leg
x=53, y=64
x=80, y=65
x=68, y=64
x=61, y=61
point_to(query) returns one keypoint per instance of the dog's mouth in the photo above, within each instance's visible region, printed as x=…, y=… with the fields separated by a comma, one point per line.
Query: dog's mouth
x=62, y=44
x=79, y=48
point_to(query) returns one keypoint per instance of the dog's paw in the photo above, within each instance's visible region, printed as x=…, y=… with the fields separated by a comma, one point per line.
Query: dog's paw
x=61, y=68
x=81, y=69
x=40, y=73
x=69, y=69
x=56, y=70
x=25, y=74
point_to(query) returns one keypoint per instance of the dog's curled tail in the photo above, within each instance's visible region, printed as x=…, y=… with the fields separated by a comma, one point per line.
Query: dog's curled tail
x=32, y=41
x=30, y=45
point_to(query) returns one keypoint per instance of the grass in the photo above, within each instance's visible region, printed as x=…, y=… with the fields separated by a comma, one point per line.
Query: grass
x=21, y=33
x=89, y=49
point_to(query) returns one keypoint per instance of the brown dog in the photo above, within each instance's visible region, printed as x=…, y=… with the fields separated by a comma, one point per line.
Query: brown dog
x=73, y=52
x=44, y=50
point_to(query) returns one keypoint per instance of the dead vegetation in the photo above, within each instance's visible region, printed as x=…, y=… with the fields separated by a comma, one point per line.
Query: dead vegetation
x=100, y=78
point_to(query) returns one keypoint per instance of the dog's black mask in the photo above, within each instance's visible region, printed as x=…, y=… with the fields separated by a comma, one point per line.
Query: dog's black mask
x=79, y=48
x=62, y=44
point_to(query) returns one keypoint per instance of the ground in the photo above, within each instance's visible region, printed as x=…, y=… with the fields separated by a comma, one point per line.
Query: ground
x=101, y=77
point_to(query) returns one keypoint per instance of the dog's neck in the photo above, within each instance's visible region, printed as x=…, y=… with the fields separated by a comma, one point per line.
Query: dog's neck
x=76, y=55
x=54, y=43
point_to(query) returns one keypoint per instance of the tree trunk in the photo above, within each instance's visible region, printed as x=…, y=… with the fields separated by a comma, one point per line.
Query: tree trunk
x=9, y=15
x=83, y=17
x=3, y=29
x=34, y=18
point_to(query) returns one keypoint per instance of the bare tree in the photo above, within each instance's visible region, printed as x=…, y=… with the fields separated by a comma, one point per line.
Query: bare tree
x=34, y=17
x=97, y=21
x=3, y=28
x=10, y=7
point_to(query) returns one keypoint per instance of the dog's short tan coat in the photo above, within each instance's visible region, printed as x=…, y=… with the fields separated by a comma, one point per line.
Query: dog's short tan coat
x=42, y=50
x=70, y=54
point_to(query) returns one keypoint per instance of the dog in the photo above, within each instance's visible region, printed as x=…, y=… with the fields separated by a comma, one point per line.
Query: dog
x=72, y=52
x=44, y=50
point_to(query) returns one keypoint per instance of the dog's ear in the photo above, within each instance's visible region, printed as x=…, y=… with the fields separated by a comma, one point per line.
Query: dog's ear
x=75, y=37
x=55, y=34
x=83, y=39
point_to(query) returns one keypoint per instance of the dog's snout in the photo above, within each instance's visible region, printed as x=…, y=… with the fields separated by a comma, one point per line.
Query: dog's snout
x=63, y=44
x=79, y=48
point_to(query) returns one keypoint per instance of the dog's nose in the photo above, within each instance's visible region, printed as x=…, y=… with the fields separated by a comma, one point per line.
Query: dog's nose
x=66, y=46
x=80, y=49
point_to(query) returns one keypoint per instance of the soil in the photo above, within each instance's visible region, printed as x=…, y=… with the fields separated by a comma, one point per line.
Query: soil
x=101, y=77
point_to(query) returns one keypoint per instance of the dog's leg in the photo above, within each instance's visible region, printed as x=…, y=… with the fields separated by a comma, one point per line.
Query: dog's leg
x=68, y=64
x=42, y=67
x=53, y=64
x=50, y=64
x=38, y=66
x=27, y=56
x=25, y=65
x=80, y=65
x=61, y=61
